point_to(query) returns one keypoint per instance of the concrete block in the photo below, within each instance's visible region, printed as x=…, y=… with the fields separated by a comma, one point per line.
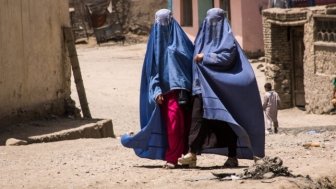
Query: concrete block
x=15, y=142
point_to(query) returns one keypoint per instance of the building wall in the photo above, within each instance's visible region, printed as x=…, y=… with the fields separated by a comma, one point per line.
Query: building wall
x=134, y=16
x=320, y=69
x=140, y=15
x=237, y=21
x=34, y=69
x=246, y=22
x=190, y=31
x=319, y=61
x=252, y=35
x=278, y=51
x=203, y=7
x=278, y=61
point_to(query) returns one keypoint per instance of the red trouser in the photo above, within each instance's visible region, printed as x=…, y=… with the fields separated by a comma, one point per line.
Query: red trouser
x=177, y=124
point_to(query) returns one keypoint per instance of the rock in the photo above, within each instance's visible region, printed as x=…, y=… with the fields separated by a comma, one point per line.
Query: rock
x=259, y=162
x=277, y=161
x=15, y=142
x=260, y=66
x=262, y=59
x=311, y=144
x=268, y=175
x=253, y=61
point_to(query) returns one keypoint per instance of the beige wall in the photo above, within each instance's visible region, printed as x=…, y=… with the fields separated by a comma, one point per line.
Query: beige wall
x=252, y=40
x=190, y=31
x=246, y=22
x=34, y=71
x=237, y=20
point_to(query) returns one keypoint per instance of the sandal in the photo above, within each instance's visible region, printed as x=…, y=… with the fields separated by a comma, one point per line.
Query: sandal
x=231, y=162
x=189, y=159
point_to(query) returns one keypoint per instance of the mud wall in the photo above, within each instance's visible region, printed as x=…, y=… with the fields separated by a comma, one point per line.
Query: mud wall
x=34, y=70
x=141, y=15
x=278, y=61
x=320, y=62
x=135, y=16
x=319, y=58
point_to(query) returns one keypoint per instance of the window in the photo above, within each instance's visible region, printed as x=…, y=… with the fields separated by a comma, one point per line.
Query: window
x=225, y=5
x=186, y=13
x=325, y=29
x=203, y=7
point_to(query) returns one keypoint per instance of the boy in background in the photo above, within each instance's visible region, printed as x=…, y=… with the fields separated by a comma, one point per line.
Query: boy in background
x=271, y=104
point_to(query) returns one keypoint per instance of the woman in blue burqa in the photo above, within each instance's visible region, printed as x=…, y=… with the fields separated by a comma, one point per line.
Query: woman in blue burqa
x=227, y=116
x=165, y=83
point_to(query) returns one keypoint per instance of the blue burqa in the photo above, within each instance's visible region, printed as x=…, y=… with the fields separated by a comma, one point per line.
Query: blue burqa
x=228, y=86
x=167, y=66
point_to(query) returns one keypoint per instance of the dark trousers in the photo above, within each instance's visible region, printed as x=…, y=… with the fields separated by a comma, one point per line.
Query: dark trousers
x=206, y=133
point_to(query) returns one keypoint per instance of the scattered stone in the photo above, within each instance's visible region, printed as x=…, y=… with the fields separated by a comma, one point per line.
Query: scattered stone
x=312, y=132
x=271, y=181
x=262, y=59
x=260, y=66
x=311, y=144
x=268, y=175
x=15, y=142
x=326, y=182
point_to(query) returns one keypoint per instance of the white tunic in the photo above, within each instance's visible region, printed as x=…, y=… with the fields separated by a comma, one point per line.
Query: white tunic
x=271, y=104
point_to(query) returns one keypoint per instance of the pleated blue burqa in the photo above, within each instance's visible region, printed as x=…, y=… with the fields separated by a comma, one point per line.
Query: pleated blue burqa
x=228, y=86
x=167, y=66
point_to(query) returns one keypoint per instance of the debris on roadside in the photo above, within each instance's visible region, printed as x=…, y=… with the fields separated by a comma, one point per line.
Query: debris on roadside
x=265, y=168
x=260, y=66
x=312, y=132
x=15, y=142
x=311, y=144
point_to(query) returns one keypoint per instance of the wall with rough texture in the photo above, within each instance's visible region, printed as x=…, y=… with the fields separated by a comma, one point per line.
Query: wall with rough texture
x=34, y=70
x=320, y=68
x=319, y=61
x=278, y=61
x=141, y=15
x=135, y=16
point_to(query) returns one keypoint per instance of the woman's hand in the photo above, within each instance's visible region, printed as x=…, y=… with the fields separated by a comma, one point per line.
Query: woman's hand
x=199, y=57
x=159, y=99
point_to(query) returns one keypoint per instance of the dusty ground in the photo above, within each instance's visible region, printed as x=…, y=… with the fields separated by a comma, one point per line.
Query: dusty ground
x=111, y=76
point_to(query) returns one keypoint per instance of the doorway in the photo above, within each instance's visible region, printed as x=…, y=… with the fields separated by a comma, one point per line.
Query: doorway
x=298, y=94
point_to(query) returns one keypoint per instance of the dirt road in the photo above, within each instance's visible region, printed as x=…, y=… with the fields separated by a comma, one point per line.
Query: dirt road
x=111, y=76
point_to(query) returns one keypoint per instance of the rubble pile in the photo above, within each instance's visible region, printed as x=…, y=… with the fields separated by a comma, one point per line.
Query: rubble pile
x=266, y=168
